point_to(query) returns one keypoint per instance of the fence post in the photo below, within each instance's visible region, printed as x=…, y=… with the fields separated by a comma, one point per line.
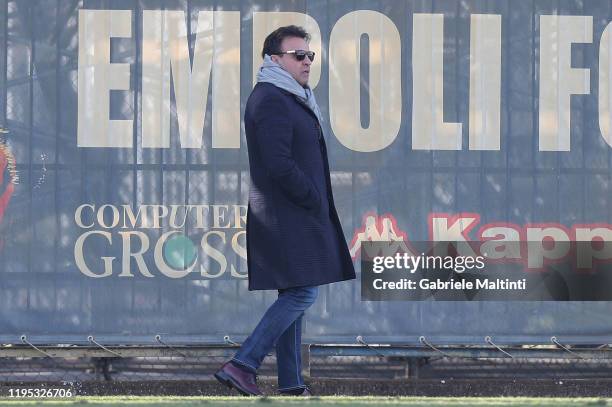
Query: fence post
x=305, y=352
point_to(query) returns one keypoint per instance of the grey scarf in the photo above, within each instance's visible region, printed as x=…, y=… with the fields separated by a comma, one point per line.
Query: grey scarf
x=272, y=72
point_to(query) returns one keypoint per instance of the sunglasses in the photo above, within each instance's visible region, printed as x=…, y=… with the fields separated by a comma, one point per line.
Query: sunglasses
x=299, y=54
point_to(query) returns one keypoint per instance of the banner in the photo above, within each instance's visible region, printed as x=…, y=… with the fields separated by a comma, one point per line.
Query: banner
x=125, y=170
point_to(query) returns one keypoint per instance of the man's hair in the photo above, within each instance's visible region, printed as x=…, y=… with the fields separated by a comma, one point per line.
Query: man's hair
x=272, y=44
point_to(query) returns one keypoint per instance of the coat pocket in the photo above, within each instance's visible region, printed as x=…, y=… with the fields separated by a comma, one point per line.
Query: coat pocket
x=301, y=211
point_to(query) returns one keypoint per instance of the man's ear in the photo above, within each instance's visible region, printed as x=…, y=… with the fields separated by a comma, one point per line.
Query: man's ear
x=275, y=59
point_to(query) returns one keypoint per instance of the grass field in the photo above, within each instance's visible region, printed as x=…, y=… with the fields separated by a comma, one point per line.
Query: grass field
x=311, y=402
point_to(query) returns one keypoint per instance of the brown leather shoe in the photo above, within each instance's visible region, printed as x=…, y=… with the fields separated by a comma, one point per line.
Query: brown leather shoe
x=305, y=393
x=243, y=381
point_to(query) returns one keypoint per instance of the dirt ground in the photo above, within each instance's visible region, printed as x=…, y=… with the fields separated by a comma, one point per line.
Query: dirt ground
x=356, y=387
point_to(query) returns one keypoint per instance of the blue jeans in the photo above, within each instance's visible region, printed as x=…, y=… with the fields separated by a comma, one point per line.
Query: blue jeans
x=280, y=327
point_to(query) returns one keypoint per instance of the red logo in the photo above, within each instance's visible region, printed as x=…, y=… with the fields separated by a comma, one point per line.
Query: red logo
x=7, y=184
x=376, y=228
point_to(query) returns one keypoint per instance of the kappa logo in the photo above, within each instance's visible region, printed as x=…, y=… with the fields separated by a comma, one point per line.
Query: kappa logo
x=536, y=245
x=376, y=228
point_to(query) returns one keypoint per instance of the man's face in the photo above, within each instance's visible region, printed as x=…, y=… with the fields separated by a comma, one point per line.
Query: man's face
x=300, y=70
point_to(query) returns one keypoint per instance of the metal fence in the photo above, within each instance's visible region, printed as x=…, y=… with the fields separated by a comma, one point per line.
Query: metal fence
x=58, y=185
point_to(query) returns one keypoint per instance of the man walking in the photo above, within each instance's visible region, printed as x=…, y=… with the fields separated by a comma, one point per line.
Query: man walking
x=294, y=239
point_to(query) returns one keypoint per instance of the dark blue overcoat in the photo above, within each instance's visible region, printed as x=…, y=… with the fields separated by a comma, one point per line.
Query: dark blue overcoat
x=294, y=237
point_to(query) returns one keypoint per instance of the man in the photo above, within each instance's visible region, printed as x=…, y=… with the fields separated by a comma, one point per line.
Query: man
x=294, y=238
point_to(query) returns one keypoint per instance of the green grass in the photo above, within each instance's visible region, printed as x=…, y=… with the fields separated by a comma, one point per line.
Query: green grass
x=312, y=402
